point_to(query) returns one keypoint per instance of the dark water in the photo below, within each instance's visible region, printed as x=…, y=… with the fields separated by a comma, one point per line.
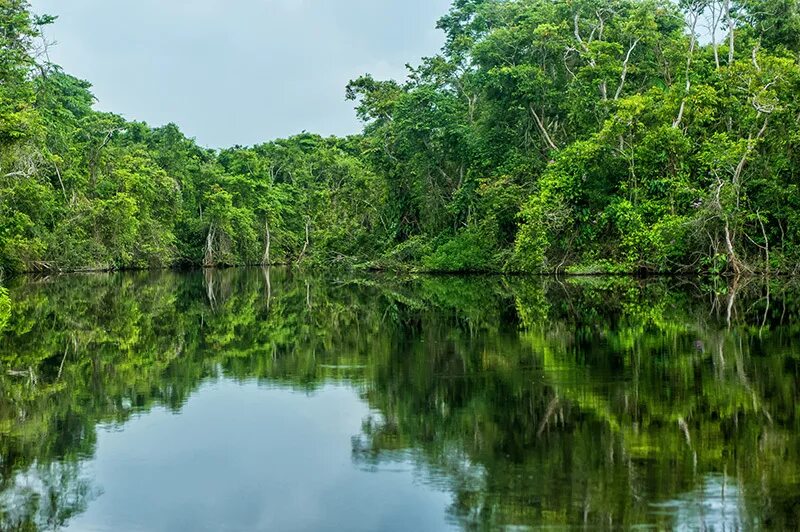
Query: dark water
x=255, y=400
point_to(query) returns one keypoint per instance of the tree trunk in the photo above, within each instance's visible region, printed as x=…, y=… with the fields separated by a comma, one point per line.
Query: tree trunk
x=266, y=260
x=542, y=128
x=692, y=44
x=624, y=74
x=731, y=36
x=208, y=260
x=305, y=246
x=61, y=182
x=715, y=20
x=733, y=260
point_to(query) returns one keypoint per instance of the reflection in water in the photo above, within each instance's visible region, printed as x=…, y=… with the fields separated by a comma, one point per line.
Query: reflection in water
x=530, y=402
x=55, y=491
x=247, y=457
x=714, y=505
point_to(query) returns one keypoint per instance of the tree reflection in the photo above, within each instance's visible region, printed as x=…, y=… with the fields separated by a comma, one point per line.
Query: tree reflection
x=599, y=402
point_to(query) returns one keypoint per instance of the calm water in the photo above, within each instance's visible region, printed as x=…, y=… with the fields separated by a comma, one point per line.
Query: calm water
x=277, y=400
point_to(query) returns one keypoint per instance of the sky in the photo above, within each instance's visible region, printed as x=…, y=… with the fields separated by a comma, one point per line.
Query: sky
x=240, y=72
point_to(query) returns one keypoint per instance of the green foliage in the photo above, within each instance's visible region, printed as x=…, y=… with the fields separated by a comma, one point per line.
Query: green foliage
x=549, y=135
x=470, y=250
x=5, y=308
x=630, y=146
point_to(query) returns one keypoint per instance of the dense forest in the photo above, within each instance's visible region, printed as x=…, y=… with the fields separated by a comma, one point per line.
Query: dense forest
x=574, y=136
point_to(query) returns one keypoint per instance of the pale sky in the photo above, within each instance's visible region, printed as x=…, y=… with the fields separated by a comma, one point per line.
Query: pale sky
x=238, y=71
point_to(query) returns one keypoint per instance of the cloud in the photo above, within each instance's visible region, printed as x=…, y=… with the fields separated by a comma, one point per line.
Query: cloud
x=239, y=71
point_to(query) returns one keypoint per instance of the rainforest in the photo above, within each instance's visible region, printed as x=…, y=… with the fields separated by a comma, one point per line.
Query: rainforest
x=253, y=338
x=567, y=136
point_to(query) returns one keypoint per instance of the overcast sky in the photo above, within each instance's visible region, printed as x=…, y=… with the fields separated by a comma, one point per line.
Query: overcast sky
x=238, y=71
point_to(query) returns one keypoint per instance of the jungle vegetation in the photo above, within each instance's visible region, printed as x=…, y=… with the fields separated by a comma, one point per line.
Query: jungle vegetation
x=547, y=136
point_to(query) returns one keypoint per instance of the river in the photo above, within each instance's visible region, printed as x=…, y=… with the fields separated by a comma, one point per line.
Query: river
x=278, y=399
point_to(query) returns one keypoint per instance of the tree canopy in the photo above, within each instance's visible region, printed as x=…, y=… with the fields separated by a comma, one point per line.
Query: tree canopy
x=547, y=135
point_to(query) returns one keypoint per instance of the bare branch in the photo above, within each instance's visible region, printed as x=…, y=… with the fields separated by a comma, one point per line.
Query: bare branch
x=625, y=68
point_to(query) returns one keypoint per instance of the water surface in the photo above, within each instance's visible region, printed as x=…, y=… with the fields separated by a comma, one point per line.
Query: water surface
x=280, y=400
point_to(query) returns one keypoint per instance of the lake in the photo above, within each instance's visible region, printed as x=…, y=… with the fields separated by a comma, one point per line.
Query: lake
x=282, y=399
